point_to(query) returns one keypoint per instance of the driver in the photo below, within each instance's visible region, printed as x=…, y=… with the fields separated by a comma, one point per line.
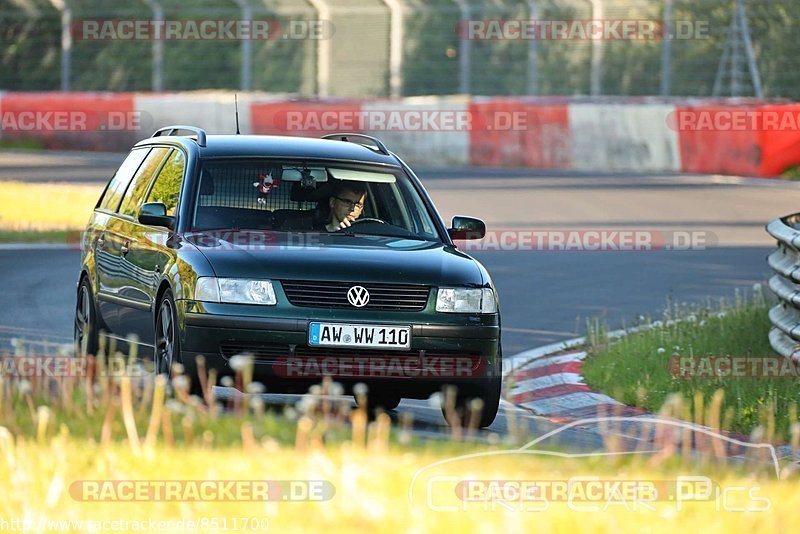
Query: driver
x=346, y=203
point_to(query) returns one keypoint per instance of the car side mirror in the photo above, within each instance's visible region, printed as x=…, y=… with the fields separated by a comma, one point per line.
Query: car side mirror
x=155, y=214
x=467, y=228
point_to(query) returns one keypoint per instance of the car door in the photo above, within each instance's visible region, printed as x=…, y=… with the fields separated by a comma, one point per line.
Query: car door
x=133, y=280
x=107, y=244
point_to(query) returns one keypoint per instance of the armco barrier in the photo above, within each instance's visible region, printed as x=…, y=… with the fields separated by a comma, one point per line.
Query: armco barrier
x=624, y=137
x=519, y=133
x=74, y=121
x=785, y=283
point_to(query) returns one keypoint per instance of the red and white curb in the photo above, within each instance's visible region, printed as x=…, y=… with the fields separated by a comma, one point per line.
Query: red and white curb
x=551, y=385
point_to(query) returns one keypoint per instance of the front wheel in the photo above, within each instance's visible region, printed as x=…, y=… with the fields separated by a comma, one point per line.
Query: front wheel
x=167, y=342
x=85, y=332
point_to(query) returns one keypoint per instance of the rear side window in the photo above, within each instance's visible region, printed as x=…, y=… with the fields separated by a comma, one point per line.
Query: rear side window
x=119, y=183
x=135, y=193
x=167, y=187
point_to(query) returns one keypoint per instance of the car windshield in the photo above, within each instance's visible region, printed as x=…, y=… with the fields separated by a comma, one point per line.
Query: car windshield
x=289, y=196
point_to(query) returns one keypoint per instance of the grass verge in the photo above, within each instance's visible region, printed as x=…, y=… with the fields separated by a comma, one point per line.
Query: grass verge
x=73, y=449
x=636, y=368
x=44, y=212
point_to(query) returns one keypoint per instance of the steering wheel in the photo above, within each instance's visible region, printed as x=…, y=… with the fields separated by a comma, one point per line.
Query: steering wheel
x=368, y=219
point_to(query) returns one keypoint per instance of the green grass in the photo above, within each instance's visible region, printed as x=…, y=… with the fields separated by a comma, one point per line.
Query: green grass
x=39, y=236
x=634, y=369
x=792, y=173
x=27, y=144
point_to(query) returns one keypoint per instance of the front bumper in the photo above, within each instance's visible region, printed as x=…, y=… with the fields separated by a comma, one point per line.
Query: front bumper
x=445, y=349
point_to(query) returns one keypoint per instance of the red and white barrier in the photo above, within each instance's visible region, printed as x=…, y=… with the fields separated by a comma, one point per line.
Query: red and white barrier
x=75, y=121
x=623, y=137
x=422, y=130
x=636, y=135
x=519, y=133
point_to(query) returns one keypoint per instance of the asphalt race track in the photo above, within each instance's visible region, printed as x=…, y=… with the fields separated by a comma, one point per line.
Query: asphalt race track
x=546, y=296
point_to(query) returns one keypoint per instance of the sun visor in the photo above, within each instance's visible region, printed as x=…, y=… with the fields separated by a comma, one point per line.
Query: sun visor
x=362, y=176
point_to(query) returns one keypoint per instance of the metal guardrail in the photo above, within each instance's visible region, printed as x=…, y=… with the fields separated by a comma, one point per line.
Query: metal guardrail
x=784, y=337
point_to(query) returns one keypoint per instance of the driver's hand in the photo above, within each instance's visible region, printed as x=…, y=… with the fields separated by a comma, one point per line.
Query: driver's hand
x=346, y=222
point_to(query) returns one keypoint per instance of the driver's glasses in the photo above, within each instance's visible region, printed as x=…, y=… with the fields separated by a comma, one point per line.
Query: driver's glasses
x=351, y=204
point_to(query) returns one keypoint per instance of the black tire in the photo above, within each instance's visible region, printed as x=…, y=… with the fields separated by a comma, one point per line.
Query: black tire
x=85, y=328
x=386, y=401
x=163, y=359
x=489, y=393
x=382, y=400
x=167, y=341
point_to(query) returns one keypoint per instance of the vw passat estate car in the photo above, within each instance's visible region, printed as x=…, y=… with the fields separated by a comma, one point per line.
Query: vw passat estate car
x=315, y=257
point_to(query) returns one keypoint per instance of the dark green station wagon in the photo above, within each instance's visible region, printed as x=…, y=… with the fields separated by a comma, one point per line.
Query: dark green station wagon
x=313, y=257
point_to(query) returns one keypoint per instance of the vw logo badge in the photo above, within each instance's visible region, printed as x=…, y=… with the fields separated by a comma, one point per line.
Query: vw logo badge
x=358, y=296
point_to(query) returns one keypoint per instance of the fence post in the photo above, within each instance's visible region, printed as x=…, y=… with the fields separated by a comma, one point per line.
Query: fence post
x=464, y=49
x=395, y=48
x=66, y=42
x=533, y=51
x=666, y=49
x=323, y=51
x=246, y=79
x=596, y=89
x=158, y=48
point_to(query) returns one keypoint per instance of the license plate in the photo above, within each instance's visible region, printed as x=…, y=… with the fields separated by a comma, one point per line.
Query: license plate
x=359, y=335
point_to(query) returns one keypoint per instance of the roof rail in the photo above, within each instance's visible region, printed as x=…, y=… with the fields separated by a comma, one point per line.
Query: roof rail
x=359, y=139
x=172, y=130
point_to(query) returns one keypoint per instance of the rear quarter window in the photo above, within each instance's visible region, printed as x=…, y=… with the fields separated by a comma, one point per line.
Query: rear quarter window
x=119, y=182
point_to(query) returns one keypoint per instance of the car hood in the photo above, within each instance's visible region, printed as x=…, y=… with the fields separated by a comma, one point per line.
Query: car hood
x=336, y=257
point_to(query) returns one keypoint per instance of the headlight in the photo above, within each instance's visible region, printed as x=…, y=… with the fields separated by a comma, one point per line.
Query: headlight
x=457, y=300
x=235, y=291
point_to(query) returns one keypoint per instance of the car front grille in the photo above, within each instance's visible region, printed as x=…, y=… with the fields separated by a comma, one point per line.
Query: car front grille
x=324, y=294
